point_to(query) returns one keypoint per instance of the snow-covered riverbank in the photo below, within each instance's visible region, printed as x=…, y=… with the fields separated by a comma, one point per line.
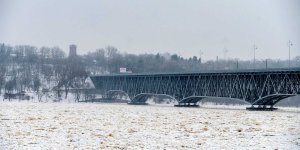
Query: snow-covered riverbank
x=27, y=125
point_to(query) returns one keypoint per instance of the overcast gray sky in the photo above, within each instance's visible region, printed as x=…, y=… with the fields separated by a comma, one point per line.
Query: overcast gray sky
x=150, y=26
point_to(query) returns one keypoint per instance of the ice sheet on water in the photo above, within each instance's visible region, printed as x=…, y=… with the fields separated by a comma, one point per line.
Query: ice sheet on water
x=26, y=125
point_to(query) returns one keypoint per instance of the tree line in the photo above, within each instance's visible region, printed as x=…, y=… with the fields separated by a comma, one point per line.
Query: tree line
x=26, y=67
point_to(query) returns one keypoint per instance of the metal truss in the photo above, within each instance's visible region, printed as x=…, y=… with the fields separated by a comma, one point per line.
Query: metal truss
x=250, y=86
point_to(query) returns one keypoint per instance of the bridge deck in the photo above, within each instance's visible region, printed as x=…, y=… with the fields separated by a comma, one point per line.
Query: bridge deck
x=238, y=71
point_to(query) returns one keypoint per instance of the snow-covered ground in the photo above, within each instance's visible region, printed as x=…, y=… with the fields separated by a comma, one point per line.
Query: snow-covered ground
x=28, y=125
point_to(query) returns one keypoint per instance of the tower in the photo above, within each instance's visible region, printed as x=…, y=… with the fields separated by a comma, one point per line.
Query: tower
x=72, y=52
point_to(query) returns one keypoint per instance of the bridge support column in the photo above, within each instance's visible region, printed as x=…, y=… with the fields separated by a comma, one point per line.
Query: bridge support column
x=137, y=103
x=187, y=105
x=261, y=108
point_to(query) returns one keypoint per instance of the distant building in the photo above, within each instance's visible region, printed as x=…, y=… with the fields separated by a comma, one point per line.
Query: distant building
x=72, y=52
x=125, y=70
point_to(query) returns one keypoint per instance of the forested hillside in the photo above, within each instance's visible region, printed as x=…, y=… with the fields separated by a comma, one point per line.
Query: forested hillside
x=28, y=68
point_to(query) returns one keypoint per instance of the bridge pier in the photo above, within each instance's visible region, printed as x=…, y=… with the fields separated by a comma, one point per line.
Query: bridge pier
x=261, y=108
x=191, y=101
x=137, y=103
x=187, y=105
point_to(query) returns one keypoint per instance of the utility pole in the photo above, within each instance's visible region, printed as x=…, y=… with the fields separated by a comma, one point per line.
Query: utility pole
x=200, y=59
x=217, y=65
x=225, y=51
x=254, y=49
x=290, y=44
x=200, y=54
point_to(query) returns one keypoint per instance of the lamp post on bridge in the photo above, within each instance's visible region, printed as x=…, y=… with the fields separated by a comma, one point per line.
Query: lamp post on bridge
x=225, y=51
x=290, y=44
x=200, y=54
x=267, y=63
x=254, y=49
x=217, y=64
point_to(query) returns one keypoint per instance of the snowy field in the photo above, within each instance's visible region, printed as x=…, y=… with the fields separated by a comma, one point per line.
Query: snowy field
x=27, y=125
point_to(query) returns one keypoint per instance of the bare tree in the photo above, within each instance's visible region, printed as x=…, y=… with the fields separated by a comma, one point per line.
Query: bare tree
x=2, y=77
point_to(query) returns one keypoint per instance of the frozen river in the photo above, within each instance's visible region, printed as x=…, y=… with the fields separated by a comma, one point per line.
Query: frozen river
x=120, y=126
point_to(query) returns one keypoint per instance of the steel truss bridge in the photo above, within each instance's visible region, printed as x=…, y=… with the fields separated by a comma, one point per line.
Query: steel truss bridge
x=261, y=88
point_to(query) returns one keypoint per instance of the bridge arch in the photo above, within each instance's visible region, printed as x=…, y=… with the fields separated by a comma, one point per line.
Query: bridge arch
x=142, y=98
x=192, y=101
x=267, y=102
x=113, y=94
